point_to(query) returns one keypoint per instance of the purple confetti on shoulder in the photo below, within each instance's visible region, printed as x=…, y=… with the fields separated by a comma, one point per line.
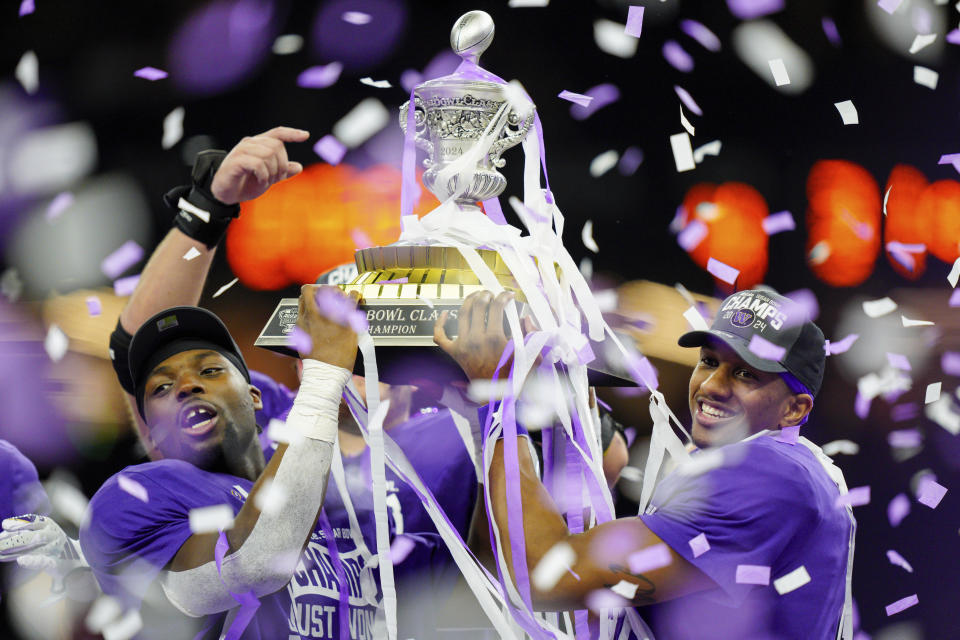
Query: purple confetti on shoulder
x=330, y=149
x=905, y=411
x=631, y=159
x=27, y=7
x=150, y=73
x=699, y=545
x=830, y=30
x=930, y=493
x=766, y=349
x=634, y=21
x=835, y=348
x=898, y=509
x=789, y=435
x=126, y=286
x=701, y=34
x=576, y=98
x=687, y=99
x=133, y=488
x=777, y=222
x=898, y=361
x=750, y=9
x=93, y=306
x=950, y=363
x=320, y=77
x=58, y=205
x=753, y=574
x=678, y=58
x=692, y=235
x=903, y=603
x=124, y=257
x=723, y=271
x=300, y=340
x=601, y=95
x=856, y=497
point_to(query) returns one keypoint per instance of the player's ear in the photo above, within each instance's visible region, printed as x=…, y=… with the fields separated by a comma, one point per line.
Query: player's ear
x=799, y=405
x=256, y=396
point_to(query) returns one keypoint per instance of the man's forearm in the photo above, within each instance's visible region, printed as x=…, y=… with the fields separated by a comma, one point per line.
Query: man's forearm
x=168, y=280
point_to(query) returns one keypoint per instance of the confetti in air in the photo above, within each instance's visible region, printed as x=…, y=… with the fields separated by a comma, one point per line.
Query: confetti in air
x=122, y=258
x=56, y=343
x=223, y=289
x=150, y=73
x=889, y=6
x=925, y=77
x=576, y=98
x=376, y=84
x=604, y=163
x=191, y=253
x=855, y=497
x=58, y=205
x=848, y=112
x=707, y=39
x=27, y=7
x=94, y=308
x=687, y=100
x=554, y=563
x=792, y=581
x=723, y=271
x=320, y=77
x=211, y=519
x=678, y=58
x=898, y=560
x=125, y=286
x=779, y=71
x=611, y=37
x=753, y=574
x=898, y=509
x=682, y=151
x=699, y=545
x=330, y=149
x=356, y=17
x=27, y=72
x=172, y=128
x=879, y=308
x=930, y=493
x=134, y=488
x=909, y=601
x=653, y=557
x=778, y=222
x=365, y=119
x=634, y=21
x=922, y=40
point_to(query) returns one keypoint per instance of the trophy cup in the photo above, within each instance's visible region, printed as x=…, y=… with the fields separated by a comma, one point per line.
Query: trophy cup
x=406, y=286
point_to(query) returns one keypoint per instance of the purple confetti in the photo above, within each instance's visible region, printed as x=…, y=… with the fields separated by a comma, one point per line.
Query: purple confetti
x=701, y=34
x=950, y=363
x=898, y=560
x=699, y=545
x=725, y=272
x=856, y=497
x=750, y=9
x=602, y=94
x=124, y=257
x=921, y=19
x=341, y=309
x=93, y=306
x=409, y=79
x=692, y=235
x=830, y=30
x=125, y=286
x=330, y=149
x=634, y=21
x=648, y=559
x=630, y=161
x=576, y=98
x=789, y=435
x=806, y=302
x=394, y=281
x=600, y=599
x=777, y=222
x=861, y=406
x=898, y=509
x=300, y=340
x=150, y=73
x=360, y=239
x=955, y=298
x=677, y=57
x=687, y=100
x=836, y=348
x=400, y=548
x=905, y=411
x=320, y=77
x=58, y=205
x=931, y=493
x=905, y=259
x=898, y=361
x=903, y=603
x=766, y=349
x=753, y=574
x=27, y=7
x=642, y=370
x=953, y=37
x=889, y=6
x=904, y=438
x=133, y=487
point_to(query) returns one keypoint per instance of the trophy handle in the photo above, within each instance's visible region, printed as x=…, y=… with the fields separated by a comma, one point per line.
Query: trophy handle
x=419, y=126
x=515, y=130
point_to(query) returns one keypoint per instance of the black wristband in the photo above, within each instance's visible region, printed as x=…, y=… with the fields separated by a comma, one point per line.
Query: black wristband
x=120, y=357
x=199, y=214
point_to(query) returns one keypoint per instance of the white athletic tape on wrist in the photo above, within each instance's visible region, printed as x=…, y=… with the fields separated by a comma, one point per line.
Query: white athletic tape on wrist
x=316, y=408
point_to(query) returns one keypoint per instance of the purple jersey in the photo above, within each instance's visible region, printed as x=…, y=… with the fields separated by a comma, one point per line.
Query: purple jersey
x=769, y=504
x=20, y=489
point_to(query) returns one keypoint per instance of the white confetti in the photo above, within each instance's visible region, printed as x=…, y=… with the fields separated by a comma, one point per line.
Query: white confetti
x=225, y=287
x=56, y=343
x=922, y=40
x=933, y=393
x=682, y=152
x=847, y=447
x=278, y=431
x=27, y=72
x=367, y=118
x=191, y=253
x=878, y=308
x=603, y=163
x=606, y=300
x=625, y=589
x=105, y=609
x=271, y=497
x=172, y=128
x=133, y=487
x=631, y=474
x=125, y=628
x=925, y=77
x=695, y=320
x=848, y=112
x=779, y=71
x=377, y=84
x=792, y=581
x=211, y=519
x=712, y=148
x=886, y=197
x=907, y=322
x=586, y=235
x=611, y=38
x=686, y=123
x=517, y=4
x=356, y=17
x=287, y=43
x=898, y=560
x=552, y=566
x=67, y=500
x=483, y=391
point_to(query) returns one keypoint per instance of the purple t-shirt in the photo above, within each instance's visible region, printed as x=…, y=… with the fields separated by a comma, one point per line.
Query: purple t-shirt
x=20, y=488
x=770, y=504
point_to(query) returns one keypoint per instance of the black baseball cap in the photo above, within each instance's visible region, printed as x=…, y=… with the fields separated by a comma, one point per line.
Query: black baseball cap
x=777, y=320
x=172, y=331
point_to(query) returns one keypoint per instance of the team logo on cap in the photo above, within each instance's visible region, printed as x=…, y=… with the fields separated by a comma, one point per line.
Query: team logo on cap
x=742, y=318
x=168, y=322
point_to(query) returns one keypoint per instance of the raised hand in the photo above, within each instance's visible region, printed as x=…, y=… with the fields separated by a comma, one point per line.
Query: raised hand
x=332, y=328
x=256, y=163
x=480, y=339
